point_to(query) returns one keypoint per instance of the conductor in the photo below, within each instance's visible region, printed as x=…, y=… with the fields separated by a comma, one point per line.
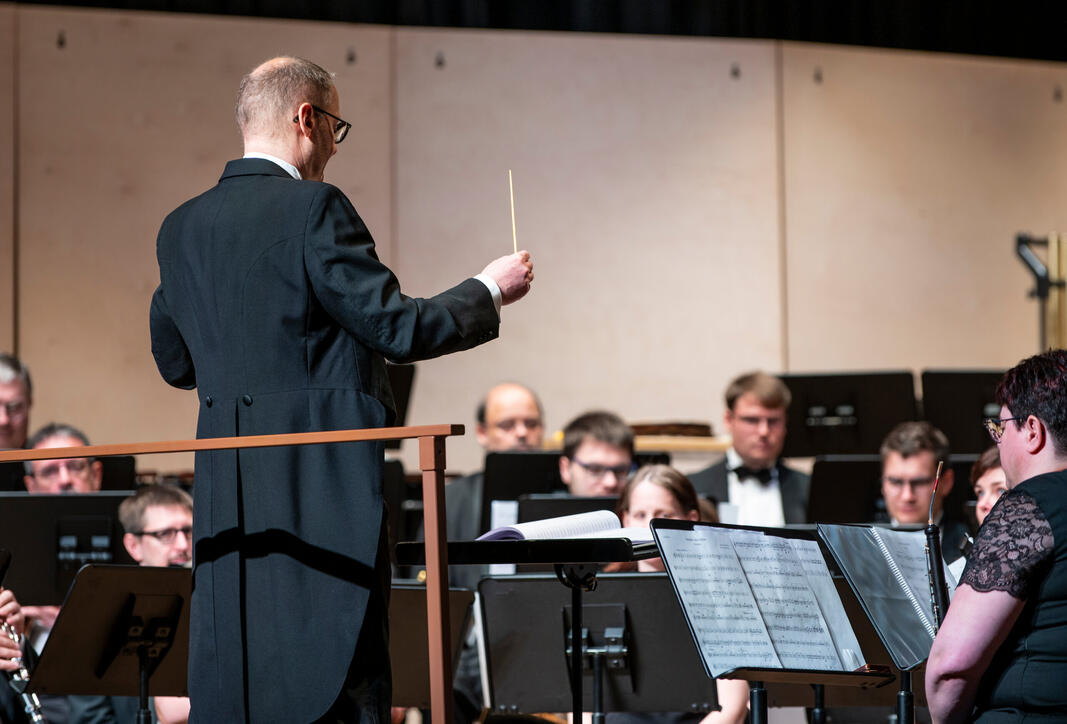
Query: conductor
x=273, y=304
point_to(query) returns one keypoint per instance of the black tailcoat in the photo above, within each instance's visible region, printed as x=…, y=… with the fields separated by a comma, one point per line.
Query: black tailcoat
x=273, y=304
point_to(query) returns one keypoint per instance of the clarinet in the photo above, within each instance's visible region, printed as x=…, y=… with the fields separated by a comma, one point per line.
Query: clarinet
x=18, y=680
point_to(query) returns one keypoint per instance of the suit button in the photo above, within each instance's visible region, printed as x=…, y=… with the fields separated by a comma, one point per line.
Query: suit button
x=208, y=401
x=247, y=399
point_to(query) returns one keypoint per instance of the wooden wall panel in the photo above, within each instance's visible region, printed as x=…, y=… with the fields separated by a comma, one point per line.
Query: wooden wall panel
x=646, y=189
x=7, y=177
x=125, y=116
x=908, y=176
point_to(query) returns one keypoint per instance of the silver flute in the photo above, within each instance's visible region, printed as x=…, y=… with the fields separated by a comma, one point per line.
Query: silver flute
x=20, y=678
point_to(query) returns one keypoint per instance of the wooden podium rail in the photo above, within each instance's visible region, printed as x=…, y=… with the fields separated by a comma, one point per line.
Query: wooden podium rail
x=432, y=465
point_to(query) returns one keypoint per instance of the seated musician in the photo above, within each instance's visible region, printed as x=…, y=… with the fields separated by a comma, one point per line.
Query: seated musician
x=158, y=521
x=1001, y=653
x=660, y=491
x=598, y=451
x=16, y=397
x=987, y=477
x=752, y=476
x=910, y=453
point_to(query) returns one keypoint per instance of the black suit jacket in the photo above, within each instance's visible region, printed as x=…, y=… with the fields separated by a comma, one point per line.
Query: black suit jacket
x=793, y=485
x=274, y=305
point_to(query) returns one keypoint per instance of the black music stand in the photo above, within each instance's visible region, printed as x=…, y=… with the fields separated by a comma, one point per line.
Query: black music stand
x=638, y=653
x=511, y=474
x=701, y=581
x=957, y=401
x=122, y=631
x=52, y=536
x=845, y=412
x=576, y=561
x=408, y=640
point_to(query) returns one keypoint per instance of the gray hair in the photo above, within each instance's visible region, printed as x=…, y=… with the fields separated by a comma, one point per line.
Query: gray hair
x=11, y=369
x=269, y=93
x=53, y=429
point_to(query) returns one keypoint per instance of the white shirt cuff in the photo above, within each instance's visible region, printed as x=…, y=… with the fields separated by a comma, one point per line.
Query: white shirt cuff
x=494, y=290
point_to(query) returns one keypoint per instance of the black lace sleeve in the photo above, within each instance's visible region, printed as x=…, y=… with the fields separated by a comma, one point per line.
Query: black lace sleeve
x=1011, y=548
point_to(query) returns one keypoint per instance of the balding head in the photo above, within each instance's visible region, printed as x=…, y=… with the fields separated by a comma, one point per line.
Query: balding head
x=510, y=418
x=268, y=96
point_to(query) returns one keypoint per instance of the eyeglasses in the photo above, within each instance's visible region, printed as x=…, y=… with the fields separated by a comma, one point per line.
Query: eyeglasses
x=50, y=471
x=911, y=483
x=996, y=427
x=15, y=410
x=340, y=129
x=167, y=535
x=599, y=471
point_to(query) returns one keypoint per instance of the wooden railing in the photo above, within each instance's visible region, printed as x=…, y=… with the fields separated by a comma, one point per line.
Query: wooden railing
x=432, y=465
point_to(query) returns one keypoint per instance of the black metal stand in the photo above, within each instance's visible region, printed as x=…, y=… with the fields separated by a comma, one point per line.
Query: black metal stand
x=757, y=702
x=818, y=710
x=120, y=629
x=578, y=577
x=905, y=700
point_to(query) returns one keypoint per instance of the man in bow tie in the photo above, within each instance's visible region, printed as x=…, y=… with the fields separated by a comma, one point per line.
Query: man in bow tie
x=751, y=476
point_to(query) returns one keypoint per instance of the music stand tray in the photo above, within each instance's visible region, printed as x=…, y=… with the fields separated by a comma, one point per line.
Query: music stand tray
x=109, y=613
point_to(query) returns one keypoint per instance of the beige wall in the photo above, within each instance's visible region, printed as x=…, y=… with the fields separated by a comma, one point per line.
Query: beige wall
x=7, y=176
x=687, y=221
x=134, y=115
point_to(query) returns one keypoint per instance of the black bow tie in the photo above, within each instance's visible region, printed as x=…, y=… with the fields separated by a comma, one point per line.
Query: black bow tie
x=764, y=475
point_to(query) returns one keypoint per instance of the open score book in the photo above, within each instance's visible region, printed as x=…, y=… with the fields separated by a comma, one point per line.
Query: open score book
x=596, y=524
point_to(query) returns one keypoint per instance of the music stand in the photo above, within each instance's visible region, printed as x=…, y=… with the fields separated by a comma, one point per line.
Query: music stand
x=511, y=474
x=408, y=640
x=847, y=489
x=957, y=401
x=650, y=665
x=122, y=631
x=576, y=562
x=540, y=506
x=52, y=536
x=846, y=412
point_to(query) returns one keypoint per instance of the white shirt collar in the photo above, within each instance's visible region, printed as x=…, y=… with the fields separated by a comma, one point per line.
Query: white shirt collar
x=286, y=166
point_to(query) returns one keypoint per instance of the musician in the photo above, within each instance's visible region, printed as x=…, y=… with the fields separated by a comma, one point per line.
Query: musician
x=68, y=475
x=16, y=399
x=660, y=491
x=1001, y=653
x=910, y=453
x=273, y=304
x=509, y=418
x=11, y=614
x=752, y=476
x=598, y=453
x=989, y=482
x=158, y=525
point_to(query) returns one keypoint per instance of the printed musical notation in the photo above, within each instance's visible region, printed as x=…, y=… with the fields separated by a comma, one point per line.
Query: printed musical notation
x=753, y=600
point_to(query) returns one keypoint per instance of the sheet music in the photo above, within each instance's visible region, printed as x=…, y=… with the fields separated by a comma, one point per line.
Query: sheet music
x=908, y=552
x=717, y=599
x=833, y=611
x=790, y=611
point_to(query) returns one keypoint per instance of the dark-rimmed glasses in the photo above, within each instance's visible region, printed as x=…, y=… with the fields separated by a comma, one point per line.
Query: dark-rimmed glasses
x=167, y=535
x=340, y=129
x=49, y=472
x=599, y=471
x=996, y=427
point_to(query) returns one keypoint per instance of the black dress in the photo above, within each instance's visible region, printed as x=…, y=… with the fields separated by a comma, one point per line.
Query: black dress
x=1022, y=549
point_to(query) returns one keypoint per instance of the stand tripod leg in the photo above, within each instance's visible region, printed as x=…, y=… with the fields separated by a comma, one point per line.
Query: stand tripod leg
x=598, y=689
